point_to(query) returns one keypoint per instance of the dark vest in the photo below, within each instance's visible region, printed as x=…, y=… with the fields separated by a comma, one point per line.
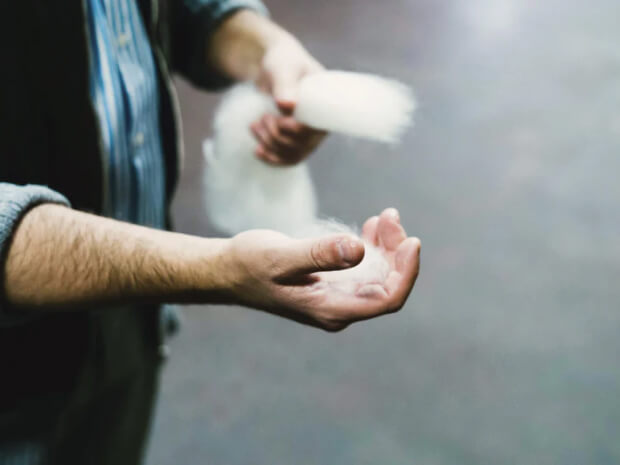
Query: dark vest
x=49, y=135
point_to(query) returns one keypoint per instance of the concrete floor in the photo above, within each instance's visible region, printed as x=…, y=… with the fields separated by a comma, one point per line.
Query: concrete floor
x=508, y=351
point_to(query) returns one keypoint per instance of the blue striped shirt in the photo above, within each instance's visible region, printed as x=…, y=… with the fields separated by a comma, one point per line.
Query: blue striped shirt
x=124, y=91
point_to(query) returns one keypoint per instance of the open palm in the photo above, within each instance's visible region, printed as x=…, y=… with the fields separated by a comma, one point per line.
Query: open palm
x=291, y=277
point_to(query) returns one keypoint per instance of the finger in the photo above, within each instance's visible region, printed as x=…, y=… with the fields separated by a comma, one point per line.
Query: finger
x=407, y=266
x=287, y=107
x=259, y=132
x=286, y=151
x=262, y=135
x=278, y=159
x=408, y=255
x=269, y=157
x=284, y=89
x=368, y=302
x=371, y=290
x=372, y=300
x=329, y=253
x=281, y=141
x=282, y=154
x=290, y=126
x=389, y=230
x=369, y=230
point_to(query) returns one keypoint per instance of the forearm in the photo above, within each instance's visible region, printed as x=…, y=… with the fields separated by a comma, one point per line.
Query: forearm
x=60, y=257
x=238, y=46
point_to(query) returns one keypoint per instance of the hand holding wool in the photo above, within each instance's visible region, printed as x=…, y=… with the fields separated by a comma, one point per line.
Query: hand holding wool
x=282, y=139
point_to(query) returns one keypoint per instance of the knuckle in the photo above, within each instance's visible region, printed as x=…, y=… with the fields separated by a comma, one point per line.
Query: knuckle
x=273, y=262
x=274, y=128
x=396, y=305
x=335, y=329
x=416, y=272
x=317, y=255
x=273, y=133
x=333, y=326
x=290, y=127
x=333, y=323
x=284, y=141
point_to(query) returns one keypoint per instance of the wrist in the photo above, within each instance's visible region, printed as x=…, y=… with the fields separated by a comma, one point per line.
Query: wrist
x=205, y=272
x=237, y=48
x=174, y=267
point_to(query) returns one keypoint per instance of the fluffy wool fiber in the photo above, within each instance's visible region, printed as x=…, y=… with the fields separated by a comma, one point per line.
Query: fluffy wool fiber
x=243, y=192
x=360, y=105
x=373, y=269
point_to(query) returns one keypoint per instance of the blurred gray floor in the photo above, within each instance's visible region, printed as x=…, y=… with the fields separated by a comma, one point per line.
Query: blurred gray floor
x=508, y=351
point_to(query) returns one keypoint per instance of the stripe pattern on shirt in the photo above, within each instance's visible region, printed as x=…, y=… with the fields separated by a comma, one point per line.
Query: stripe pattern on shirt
x=124, y=91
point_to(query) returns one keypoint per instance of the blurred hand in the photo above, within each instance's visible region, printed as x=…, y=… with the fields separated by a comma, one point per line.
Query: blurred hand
x=282, y=139
x=276, y=273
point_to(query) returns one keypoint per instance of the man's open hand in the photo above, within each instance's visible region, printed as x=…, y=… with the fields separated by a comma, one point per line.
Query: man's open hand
x=275, y=273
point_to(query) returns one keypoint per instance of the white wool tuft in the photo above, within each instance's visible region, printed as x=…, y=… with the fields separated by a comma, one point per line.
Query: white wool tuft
x=373, y=269
x=360, y=105
x=243, y=192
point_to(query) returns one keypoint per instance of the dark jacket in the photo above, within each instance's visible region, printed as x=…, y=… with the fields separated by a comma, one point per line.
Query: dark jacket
x=49, y=135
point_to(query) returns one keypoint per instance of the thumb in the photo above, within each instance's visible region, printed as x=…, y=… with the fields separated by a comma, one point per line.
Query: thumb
x=284, y=90
x=329, y=253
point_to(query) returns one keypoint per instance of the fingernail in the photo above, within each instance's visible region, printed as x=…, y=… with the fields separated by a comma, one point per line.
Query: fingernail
x=393, y=213
x=346, y=249
x=286, y=96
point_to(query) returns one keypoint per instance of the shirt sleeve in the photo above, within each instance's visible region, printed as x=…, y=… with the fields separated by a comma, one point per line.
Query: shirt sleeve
x=194, y=22
x=15, y=202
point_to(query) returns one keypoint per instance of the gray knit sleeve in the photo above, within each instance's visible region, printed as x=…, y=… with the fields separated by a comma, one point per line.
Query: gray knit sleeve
x=15, y=201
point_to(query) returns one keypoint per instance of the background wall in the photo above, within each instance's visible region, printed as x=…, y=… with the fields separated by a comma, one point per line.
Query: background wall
x=508, y=351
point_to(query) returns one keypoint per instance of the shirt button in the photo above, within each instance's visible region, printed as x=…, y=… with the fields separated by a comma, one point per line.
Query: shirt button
x=138, y=140
x=123, y=39
x=164, y=351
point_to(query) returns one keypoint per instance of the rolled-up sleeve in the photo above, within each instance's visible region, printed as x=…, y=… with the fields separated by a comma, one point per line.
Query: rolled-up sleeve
x=15, y=202
x=195, y=21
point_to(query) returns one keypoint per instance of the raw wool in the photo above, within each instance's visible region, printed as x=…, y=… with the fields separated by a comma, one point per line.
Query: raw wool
x=359, y=105
x=243, y=192
x=373, y=269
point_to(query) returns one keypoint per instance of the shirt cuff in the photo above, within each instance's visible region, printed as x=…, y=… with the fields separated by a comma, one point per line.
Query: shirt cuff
x=203, y=20
x=15, y=202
